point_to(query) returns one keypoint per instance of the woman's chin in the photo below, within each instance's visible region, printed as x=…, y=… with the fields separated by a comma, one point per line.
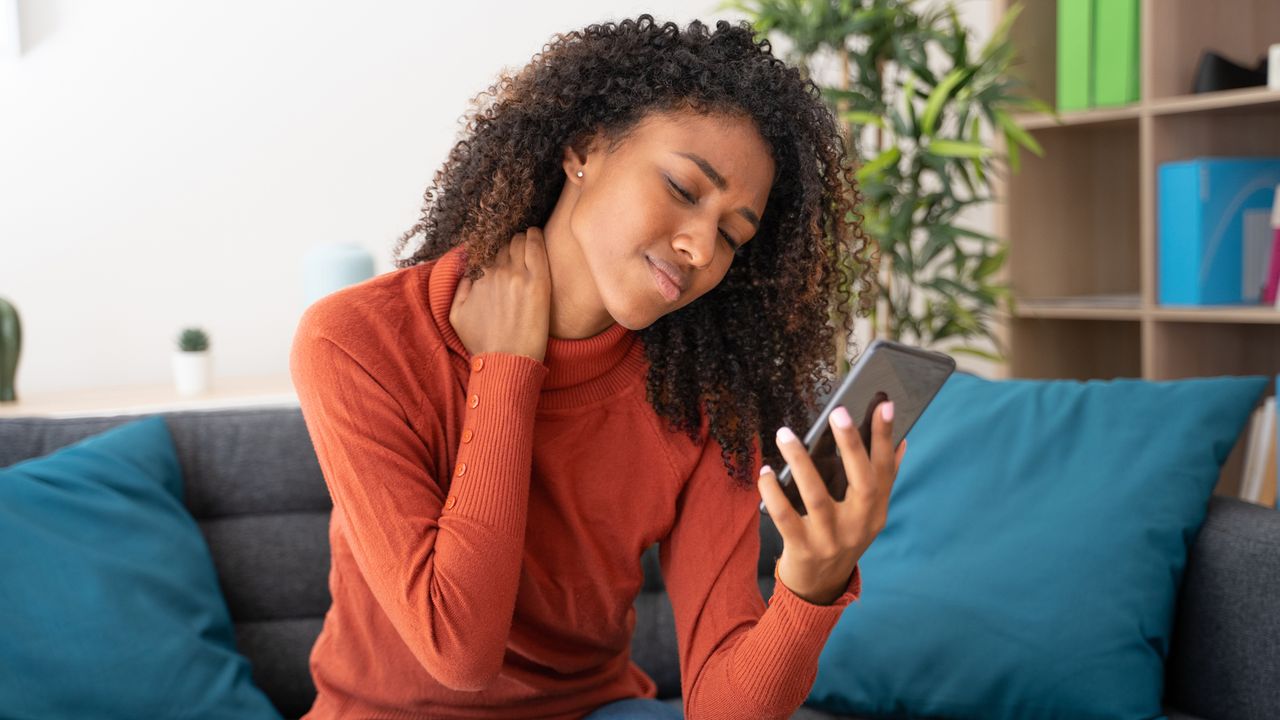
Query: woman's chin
x=636, y=316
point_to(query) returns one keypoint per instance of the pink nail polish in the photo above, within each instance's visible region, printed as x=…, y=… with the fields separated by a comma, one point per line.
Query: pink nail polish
x=840, y=417
x=886, y=410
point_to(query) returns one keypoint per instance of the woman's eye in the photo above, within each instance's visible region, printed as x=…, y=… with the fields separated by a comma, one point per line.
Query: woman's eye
x=735, y=248
x=689, y=198
x=680, y=190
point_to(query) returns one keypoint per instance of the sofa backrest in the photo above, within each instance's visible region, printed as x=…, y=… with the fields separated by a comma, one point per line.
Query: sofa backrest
x=254, y=486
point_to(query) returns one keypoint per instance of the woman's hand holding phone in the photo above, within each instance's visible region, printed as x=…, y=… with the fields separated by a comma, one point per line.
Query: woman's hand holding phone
x=822, y=547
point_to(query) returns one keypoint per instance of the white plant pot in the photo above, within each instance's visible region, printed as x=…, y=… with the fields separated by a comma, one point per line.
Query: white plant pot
x=192, y=371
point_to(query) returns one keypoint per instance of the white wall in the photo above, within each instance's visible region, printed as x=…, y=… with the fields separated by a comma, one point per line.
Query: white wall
x=168, y=164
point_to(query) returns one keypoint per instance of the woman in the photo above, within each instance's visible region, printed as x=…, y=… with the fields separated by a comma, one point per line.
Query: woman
x=626, y=274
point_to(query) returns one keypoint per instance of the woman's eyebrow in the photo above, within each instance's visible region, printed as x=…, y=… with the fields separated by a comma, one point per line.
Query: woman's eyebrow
x=718, y=180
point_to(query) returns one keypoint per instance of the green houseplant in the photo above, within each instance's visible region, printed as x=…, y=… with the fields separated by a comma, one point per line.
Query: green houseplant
x=916, y=100
x=10, y=350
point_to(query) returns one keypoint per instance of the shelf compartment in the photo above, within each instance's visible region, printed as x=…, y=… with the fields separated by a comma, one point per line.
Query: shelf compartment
x=1076, y=204
x=1237, y=131
x=1074, y=349
x=1179, y=31
x=1205, y=349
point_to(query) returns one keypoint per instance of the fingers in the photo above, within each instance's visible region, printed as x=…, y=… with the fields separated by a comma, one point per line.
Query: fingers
x=882, y=450
x=535, y=250
x=852, y=452
x=516, y=251
x=785, y=517
x=870, y=475
x=527, y=249
x=808, y=480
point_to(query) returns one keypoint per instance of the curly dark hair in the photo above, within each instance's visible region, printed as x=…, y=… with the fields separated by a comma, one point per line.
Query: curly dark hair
x=755, y=351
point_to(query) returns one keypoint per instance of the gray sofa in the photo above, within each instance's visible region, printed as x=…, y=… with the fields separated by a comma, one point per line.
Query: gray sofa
x=255, y=487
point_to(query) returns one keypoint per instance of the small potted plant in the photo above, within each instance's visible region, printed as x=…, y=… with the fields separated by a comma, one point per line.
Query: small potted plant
x=192, y=364
x=10, y=350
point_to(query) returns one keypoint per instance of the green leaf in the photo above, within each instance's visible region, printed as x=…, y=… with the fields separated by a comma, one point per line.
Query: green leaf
x=956, y=148
x=859, y=117
x=989, y=264
x=971, y=350
x=940, y=94
x=899, y=125
x=909, y=94
x=964, y=171
x=1016, y=133
x=1015, y=162
x=878, y=164
x=975, y=135
x=1040, y=106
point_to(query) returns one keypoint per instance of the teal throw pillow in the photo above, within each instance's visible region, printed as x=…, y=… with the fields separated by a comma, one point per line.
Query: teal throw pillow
x=110, y=601
x=1035, y=542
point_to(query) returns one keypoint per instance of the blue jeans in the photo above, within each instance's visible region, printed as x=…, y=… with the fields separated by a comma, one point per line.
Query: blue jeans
x=637, y=709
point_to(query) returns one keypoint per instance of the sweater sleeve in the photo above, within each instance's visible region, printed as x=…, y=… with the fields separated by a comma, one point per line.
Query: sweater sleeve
x=444, y=570
x=738, y=658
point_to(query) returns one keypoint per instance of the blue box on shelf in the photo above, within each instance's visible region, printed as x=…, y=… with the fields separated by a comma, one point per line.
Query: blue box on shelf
x=1214, y=229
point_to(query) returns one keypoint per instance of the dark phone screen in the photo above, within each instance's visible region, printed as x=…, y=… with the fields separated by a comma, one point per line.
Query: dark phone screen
x=908, y=376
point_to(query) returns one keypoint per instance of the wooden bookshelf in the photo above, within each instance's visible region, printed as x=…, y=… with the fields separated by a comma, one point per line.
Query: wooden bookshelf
x=1081, y=221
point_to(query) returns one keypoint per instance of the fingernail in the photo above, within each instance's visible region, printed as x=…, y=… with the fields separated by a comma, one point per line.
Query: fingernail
x=841, y=418
x=886, y=410
x=785, y=434
x=765, y=470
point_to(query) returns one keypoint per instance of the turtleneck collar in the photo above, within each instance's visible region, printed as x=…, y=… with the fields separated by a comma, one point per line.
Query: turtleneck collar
x=579, y=371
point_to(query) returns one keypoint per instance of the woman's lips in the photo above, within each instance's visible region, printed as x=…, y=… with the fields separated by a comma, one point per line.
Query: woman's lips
x=670, y=291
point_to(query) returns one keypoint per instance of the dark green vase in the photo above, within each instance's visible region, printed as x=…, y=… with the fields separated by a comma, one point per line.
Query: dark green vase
x=10, y=349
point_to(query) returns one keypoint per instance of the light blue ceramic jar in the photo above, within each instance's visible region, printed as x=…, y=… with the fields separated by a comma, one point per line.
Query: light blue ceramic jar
x=333, y=266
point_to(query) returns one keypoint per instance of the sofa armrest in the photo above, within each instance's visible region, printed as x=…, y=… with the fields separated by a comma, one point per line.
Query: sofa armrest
x=1224, y=655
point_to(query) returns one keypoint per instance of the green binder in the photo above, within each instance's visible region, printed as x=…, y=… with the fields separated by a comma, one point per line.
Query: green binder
x=1115, y=52
x=1075, y=54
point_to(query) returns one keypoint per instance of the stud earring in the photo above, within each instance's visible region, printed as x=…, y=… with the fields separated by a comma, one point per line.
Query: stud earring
x=579, y=173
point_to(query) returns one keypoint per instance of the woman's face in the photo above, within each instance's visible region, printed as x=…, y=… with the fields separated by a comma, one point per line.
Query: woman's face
x=684, y=190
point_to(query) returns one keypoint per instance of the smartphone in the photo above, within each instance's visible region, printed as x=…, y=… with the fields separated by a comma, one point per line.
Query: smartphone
x=887, y=370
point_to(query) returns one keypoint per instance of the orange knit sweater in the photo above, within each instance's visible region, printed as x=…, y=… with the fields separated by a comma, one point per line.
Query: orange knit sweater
x=490, y=512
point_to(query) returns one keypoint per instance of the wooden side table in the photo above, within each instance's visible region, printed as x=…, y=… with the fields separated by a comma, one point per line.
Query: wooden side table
x=142, y=399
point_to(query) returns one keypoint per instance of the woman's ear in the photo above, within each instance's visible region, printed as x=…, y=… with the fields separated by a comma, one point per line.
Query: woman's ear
x=576, y=152
x=574, y=162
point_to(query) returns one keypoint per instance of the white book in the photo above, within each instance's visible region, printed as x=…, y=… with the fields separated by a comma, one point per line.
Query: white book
x=1249, y=485
x=1265, y=441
